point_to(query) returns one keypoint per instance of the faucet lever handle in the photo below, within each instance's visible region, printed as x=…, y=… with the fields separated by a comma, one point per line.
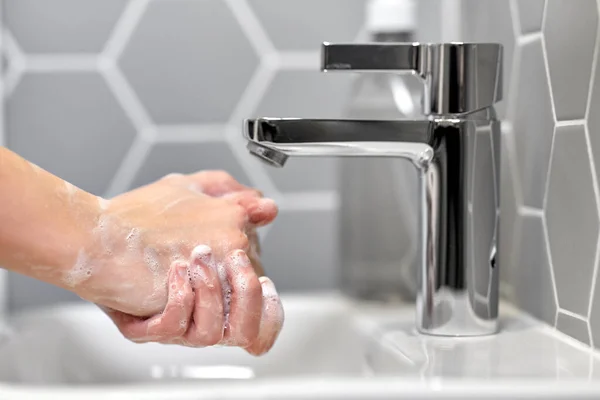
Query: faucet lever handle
x=459, y=78
x=372, y=57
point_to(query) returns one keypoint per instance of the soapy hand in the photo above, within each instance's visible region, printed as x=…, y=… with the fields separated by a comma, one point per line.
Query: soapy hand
x=173, y=263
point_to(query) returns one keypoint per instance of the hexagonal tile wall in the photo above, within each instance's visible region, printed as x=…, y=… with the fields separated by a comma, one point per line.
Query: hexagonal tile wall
x=570, y=56
x=84, y=125
x=180, y=72
x=572, y=219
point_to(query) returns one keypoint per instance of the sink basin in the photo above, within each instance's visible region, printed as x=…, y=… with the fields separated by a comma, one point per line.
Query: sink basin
x=79, y=345
x=330, y=348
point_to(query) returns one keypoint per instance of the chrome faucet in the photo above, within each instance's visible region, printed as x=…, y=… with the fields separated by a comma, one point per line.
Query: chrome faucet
x=455, y=148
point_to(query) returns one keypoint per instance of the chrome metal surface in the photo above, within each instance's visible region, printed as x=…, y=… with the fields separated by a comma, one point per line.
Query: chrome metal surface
x=458, y=77
x=458, y=275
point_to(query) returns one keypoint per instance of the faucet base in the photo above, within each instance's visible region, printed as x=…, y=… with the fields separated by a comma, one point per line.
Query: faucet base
x=456, y=316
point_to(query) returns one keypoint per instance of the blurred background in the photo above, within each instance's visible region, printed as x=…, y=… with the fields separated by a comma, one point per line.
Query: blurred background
x=113, y=94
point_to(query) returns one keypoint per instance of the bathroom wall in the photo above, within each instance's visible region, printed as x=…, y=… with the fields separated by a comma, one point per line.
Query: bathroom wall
x=551, y=156
x=113, y=94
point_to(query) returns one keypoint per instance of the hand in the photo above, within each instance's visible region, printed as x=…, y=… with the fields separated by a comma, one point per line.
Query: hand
x=151, y=218
x=251, y=318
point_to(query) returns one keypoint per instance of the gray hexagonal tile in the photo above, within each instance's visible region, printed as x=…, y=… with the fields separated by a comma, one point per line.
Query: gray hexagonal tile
x=533, y=125
x=574, y=327
x=530, y=15
x=570, y=56
x=62, y=26
x=304, y=25
x=300, y=251
x=26, y=293
x=491, y=21
x=530, y=275
x=71, y=125
x=185, y=158
x=483, y=221
x=572, y=219
x=189, y=61
x=306, y=94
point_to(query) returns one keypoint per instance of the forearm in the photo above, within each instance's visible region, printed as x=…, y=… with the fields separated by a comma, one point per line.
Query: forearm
x=45, y=222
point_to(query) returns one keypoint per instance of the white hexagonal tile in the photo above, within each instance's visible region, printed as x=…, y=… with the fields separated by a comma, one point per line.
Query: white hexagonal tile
x=530, y=15
x=572, y=219
x=533, y=124
x=62, y=26
x=491, y=21
x=306, y=94
x=304, y=25
x=300, y=251
x=570, y=55
x=574, y=327
x=71, y=125
x=189, y=61
x=186, y=158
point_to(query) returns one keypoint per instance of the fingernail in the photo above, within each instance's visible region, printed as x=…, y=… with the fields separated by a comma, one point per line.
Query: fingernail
x=268, y=287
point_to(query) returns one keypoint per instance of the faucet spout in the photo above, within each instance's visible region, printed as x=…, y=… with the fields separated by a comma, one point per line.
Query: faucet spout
x=275, y=139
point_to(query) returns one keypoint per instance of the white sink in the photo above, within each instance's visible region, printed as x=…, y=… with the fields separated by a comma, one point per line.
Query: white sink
x=329, y=348
x=79, y=345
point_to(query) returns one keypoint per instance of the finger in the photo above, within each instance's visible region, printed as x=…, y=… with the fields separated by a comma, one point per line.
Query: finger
x=172, y=322
x=254, y=253
x=246, y=301
x=208, y=320
x=261, y=211
x=217, y=183
x=271, y=321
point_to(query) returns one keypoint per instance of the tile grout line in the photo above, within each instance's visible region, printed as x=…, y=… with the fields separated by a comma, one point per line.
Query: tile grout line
x=570, y=122
x=551, y=265
x=516, y=19
x=572, y=314
x=528, y=211
x=124, y=28
x=248, y=21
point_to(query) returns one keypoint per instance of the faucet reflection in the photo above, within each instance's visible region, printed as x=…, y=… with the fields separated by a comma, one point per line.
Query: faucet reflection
x=455, y=149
